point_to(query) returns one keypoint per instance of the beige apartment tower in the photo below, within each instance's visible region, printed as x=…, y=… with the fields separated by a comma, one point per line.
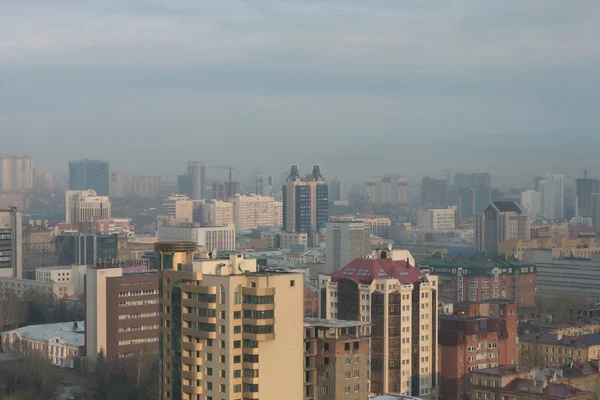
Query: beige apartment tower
x=225, y=324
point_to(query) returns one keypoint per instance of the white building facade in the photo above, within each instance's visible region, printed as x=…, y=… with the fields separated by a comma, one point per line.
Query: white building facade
x=221, y=238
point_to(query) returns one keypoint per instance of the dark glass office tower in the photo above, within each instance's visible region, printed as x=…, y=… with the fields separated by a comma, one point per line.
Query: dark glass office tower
x=89, y=174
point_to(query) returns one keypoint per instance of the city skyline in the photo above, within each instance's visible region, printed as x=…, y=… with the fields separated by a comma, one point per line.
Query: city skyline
x=521, y=74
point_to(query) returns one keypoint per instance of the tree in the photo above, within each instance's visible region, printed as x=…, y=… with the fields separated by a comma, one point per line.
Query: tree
x=30, y=377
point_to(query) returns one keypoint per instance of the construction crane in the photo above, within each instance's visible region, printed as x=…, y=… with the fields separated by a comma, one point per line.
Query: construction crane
x=229, y=168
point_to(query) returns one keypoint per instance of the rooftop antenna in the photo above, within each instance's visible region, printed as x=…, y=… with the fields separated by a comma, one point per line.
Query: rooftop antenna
x=585, y=172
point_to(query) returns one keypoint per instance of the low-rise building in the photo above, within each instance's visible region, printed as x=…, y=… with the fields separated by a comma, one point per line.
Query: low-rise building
x=21, y=287
x=336, y=359
x=221, y=238
x=573, y=327
x=562, y=247
x=74, y=274
x=555, y=350
x=478, y=335
x=484, y=276
x=61, y=343
x=520, y=382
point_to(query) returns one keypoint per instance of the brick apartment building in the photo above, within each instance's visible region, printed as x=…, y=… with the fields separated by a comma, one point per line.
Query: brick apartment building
x=121, y=313
x=478, y=335
x=484, y=276
x=336, y=359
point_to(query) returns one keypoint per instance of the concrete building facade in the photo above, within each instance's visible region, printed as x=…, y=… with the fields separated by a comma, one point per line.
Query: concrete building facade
x=89, y=174
x=436, y=218
x=346, y=241
x=531, y=203
x=220, y=213
x=17, y=172
x=221, y=238
x=225, y=324
x=11, y=243
x=499, y=222
x=254, y=211
x=552, y=196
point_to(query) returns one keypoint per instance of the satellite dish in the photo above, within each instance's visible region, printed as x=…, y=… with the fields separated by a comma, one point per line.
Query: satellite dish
x=241, y=267
x=389, y=247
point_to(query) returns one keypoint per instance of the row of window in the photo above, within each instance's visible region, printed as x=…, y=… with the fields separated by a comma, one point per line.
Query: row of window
x=138, y=315
x=138, y=293
x=138, y=303
x=137, y=341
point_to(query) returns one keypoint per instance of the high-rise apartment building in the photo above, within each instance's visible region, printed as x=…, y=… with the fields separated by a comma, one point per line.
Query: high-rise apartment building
x=278, y=213
x=499, y=222
x=17, y=172
x=532, y=204
x=473, y=180
x=121, y=313
x=402, y=188
x=230, y=331
x=552, y=196
x=197, y=171
x=224, y=191
x=147, y=187
x=181, y=207
x=584, y=187
x=346, y=241
x=89, y=174
x=11, y=243
x=336, y=359
x=220, y=238
x=305, y=202
x=338, y=190
x=121, y=184
x=436, y=218
x=371, y=188
x=434, y=192
x=386, y=191
x=254, y=211
x=400, y=302
x=478, y=335
x=43, y=181
x=39, y=249
x=264, y=185
x=220, y=213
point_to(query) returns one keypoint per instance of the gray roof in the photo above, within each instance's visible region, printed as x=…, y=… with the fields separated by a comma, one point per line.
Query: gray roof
x=63, y=330
x=507, y=206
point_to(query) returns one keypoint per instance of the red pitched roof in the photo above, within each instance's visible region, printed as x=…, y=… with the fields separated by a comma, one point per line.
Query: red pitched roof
x=365, y=270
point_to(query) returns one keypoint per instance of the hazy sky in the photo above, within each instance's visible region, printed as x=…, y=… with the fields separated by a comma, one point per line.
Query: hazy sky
x=363, y=87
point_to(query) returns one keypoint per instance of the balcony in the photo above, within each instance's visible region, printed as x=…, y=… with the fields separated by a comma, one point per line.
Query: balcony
x=191, y=360
x=192, y=390
x=192, y=375
x=253, y=380
x=259, y=337
x=191, y=346
x=258, y=307
x=258, y=322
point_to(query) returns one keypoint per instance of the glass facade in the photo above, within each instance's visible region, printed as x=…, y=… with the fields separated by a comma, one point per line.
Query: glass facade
x=89, y=174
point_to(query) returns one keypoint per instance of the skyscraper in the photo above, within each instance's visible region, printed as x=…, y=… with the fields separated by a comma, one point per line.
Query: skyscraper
x=499, y=222
x=552, y=196
x=473, y=180
x=225, y=324
x=197, y=171
x=346, y=241
x=305, y=201
x=17, y=172
x=11, y=243
x=584, y=187
x=402, y=191
x=532, y=204
x=386, y=191
x=264, y=185
x=89, y=174
x=371, y=188
x=434, y=192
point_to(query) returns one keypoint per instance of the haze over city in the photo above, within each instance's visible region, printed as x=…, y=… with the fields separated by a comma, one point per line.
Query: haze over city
x=364, y=88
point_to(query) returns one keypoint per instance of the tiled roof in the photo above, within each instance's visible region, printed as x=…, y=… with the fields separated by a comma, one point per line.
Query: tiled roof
x=365, y=270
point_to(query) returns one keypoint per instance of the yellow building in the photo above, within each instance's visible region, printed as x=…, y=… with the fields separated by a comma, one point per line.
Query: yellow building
x=561, y=247
x=555, y=350
x=225, y=324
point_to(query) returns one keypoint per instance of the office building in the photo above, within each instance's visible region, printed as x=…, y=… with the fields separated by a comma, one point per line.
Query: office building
x=484, y=277
x=226, y=324
x=221, y=238
x=121, y=313
x=184, y=184
x=89, y=174
x=386, y=191
x=499, y=222
x=264, y=185
x=89, y=249
x=61, y=343
x=71, y=200
x=336, y=359
x=39, y=249
x=305, y=202
x=402, y=191
x=401, y=304
x=552, y=196
x=21, y=287
x=520, y=382
x=472, y=202
x=255, y=211
x=197, y=171
x=220, y=213
x=17, y=172
x=346, y=241
x=473, y=180
x=379, y=226
x=436, y=218
x=478, y=335
x=74, y=274
x=338, y=190
x=11, y=243
x=531, y=204
x=90, y=208
x=434, y=192
x=121, y=184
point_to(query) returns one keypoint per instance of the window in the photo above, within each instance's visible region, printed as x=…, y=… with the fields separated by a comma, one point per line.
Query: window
x=237, y=315
x=237, y=295
x=292, y=283
x=209, y=356
x=223, y=294
x=209, y=386
x=326, y=346
x=223, y=389
x=237, y=344
x=209, y=371
x=326, y=360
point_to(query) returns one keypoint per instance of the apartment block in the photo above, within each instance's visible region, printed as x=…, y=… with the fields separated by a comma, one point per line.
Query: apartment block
x=181, y=207
x=227, y=323
x=39, y=249
x=401, y=304
x=346, y=241
x=436, y=218
x=478, y=335
x=221, y=238
x=220, y=213
x=555, y=350
x=254, y=211
x=336, y=359
x=121, y=313
x=11, y=243
x=17, y=172
x=484, y=276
